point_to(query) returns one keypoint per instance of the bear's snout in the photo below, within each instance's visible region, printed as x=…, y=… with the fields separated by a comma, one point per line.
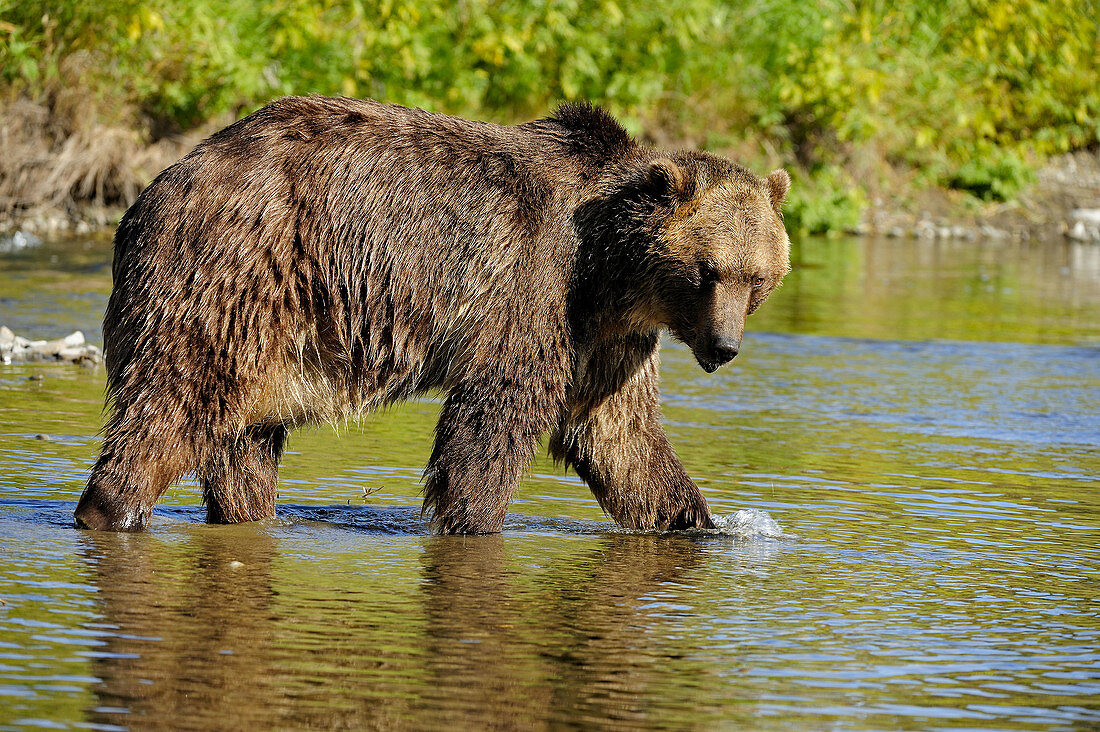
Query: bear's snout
x=718, y=350
x=725, y=348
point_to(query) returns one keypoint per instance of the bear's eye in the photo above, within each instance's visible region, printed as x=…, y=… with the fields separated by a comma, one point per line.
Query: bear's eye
x=708, y=273
x=757, y=282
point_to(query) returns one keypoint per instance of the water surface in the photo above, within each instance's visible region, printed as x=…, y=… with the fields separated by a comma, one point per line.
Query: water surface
x=922, y=419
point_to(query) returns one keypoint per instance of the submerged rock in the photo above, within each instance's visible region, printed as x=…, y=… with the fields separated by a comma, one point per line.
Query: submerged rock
x=72, y=349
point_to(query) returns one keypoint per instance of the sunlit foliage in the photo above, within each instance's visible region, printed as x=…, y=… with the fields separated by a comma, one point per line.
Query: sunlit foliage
x=971, y=93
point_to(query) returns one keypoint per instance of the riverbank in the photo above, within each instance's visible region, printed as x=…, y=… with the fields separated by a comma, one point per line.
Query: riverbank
x=67, y=173
x=1061, y=203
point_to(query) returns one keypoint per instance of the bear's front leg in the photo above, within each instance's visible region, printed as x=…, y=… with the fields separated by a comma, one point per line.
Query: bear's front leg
x=614, y=439
x=486, y=435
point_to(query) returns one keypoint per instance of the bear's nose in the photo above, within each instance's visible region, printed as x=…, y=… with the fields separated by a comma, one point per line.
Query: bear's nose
x=725, y=349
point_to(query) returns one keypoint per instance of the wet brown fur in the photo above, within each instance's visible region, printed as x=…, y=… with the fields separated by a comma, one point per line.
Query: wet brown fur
x=322, y=257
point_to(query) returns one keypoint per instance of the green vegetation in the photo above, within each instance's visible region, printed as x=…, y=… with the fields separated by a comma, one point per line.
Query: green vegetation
x=964, y=93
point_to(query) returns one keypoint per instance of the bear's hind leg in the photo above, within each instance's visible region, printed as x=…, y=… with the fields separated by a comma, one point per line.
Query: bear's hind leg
x=135, y=466
x=240, y=478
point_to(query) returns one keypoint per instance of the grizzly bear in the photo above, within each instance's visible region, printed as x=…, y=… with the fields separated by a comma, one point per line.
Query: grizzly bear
x=322, y=257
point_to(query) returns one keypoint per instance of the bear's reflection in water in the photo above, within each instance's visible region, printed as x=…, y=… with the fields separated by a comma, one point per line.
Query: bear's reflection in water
x=220, y=630
x=585, y=651
x=190, y=628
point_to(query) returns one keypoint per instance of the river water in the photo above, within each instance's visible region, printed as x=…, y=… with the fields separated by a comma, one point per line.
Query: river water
x=921, y=419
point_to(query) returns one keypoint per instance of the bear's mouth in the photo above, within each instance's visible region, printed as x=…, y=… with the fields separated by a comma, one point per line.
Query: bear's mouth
x=688, y=338
x=707, y=365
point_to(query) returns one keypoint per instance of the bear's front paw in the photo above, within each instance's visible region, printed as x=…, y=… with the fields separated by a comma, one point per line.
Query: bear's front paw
x=692, y=517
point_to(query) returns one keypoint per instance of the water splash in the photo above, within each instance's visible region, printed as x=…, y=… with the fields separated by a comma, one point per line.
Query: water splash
x=749, y=523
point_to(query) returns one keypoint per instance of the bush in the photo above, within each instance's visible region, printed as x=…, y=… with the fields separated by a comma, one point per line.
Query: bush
x=965, y=90
x=823, y=202
x=996, y=176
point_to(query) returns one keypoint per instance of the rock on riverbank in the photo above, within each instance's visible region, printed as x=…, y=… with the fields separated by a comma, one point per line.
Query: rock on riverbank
x=1062, y=203
x=72, y=349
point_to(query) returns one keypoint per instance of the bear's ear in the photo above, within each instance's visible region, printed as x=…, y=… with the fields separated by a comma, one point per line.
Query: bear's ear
x=778, y=184
x=667, y=178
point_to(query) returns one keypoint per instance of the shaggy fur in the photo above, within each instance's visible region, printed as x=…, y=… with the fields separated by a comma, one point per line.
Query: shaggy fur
x=322, y=257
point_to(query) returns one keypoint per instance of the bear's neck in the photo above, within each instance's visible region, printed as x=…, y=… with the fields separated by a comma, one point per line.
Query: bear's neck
x=612, y=282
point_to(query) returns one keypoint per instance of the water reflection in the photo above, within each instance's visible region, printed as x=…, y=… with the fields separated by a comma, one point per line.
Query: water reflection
x=476, y=636
x=192, y=627
x=917, y=289
x=606, y=616
x=198, y=629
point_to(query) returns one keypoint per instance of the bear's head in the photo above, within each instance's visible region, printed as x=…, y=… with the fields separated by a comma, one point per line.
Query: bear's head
x=719, y=251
